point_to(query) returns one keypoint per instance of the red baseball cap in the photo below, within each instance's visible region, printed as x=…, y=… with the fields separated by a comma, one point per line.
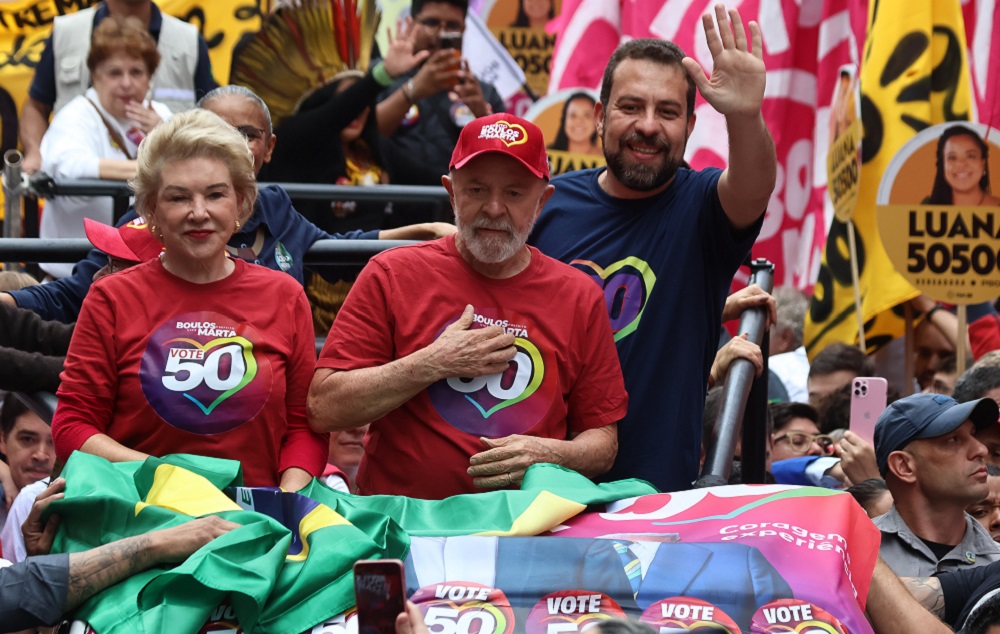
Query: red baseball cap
x=504, y=133
x=132, y=241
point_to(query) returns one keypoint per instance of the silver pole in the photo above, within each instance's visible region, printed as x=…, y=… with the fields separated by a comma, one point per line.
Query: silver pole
x=13, y=189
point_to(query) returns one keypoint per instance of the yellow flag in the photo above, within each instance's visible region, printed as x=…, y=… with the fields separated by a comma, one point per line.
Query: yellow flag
x=914, y=73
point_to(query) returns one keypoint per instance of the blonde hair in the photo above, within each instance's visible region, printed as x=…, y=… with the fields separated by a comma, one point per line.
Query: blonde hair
x=192, y=134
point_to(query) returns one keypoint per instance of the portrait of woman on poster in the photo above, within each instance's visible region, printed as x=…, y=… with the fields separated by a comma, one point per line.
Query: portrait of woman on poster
x=577, y=129
x=963, y=170
x=533, y=14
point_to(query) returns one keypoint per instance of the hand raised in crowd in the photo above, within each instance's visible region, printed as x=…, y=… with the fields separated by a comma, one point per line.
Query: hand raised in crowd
x=441, y=71
x=735, y=348
x=462, y=351
x=750, y=297
x=506, y=459
x=143, y=114
x=736, y=86
x=469, y=92
x=857, y=458
x=400, y=58
x=38, y=535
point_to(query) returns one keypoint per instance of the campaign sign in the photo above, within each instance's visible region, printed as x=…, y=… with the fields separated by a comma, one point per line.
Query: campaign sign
x=937, y=215
x=519, y=25
x=569, y=611
x=566, y=119
x=792, y=615
x=462, y=607
x=678, y=614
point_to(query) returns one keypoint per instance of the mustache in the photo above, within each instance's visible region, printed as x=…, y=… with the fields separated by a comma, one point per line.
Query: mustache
x=651, y=140
x=493, y=225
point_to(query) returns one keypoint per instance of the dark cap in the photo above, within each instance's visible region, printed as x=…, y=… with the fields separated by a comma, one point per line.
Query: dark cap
x=926, y=416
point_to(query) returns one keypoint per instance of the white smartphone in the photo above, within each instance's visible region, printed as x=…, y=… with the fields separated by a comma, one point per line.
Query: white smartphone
x=868, y=401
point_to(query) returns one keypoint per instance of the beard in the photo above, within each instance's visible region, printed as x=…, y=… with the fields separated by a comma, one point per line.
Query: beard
x=639, y=176
x=492, y=249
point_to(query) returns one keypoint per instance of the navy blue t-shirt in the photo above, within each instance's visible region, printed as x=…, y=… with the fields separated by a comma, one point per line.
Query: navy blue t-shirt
x=666, y=263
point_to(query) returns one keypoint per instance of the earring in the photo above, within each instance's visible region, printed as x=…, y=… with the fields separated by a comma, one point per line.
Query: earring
x=237, y=225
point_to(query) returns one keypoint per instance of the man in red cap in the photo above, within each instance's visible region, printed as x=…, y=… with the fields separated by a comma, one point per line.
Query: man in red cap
x=474, y=356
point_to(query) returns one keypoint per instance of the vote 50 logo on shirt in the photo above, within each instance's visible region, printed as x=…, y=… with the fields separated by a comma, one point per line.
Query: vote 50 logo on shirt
x=200, y=373
x=497, y=405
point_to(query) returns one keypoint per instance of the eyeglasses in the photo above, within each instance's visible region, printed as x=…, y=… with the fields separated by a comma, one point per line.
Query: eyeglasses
x=800, y=441
x=434, y=24
x=251, y=133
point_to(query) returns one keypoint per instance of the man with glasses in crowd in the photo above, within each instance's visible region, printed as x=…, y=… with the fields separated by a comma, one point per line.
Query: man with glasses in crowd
x=421, y=114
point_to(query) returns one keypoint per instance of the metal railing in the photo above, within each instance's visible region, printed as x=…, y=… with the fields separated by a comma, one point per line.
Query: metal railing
x=744, y=401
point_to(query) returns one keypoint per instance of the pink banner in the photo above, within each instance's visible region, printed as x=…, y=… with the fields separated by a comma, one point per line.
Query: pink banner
x=820, y=542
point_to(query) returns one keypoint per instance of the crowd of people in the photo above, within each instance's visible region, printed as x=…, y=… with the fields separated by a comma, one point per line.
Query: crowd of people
x=543, y=326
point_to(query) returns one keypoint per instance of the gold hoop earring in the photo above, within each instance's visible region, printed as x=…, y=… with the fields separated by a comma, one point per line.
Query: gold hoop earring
x=238, y=225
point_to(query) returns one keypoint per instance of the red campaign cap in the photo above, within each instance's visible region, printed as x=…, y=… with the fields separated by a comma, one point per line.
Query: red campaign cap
x=506, y=134
x=132, y=241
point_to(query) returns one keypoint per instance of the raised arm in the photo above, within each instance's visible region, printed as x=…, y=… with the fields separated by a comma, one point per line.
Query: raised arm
x=736, y=90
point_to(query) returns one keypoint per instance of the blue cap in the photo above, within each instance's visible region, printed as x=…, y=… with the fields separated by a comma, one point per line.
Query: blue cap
x=926, y=416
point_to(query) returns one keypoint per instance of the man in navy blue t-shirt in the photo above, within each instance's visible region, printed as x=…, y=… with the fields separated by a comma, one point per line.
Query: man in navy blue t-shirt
x=662, y=240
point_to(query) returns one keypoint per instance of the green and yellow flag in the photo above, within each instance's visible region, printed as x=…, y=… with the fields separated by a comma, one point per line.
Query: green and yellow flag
x=289, y=566
x=914, y=74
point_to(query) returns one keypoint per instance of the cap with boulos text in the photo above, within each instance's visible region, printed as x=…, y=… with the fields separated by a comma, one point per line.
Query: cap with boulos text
x=926, y=416
x=506, y=134
x=132, y=241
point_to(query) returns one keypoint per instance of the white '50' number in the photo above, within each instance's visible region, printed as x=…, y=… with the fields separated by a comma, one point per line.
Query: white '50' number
x=206, y=371
x=441, y=620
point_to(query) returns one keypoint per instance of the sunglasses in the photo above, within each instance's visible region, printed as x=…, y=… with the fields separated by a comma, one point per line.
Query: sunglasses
x=800, y=441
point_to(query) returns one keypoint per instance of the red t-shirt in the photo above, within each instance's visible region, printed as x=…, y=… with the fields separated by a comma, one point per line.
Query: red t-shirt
x=565, y=379
x=165, y=366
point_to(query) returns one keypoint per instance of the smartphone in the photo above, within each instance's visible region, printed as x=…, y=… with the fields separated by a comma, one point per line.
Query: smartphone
x=452, y=40
x=380, y=592
x=868, y=401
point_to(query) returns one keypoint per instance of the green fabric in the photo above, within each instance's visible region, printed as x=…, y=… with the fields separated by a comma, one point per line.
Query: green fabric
x=247, y=567
x=261, y=568
x=479, y=512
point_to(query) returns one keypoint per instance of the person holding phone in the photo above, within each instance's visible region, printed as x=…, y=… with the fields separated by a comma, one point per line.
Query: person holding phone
x=422, y=112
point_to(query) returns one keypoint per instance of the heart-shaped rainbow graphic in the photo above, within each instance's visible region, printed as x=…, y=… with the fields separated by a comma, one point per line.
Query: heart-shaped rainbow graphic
x=602, y=275
x=538, y=373
x=248, y=359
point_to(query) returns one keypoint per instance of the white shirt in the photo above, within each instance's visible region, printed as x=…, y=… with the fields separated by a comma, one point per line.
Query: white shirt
x=792, y=368
x=72, y=147
x=11, y=538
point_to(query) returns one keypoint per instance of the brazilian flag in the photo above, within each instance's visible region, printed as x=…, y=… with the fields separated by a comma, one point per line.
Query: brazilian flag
x=289, y=565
